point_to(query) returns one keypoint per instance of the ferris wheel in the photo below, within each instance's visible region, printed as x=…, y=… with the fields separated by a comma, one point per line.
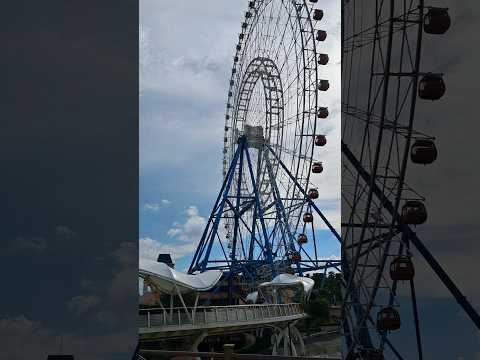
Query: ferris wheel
x=382, y=80
x=265, y=218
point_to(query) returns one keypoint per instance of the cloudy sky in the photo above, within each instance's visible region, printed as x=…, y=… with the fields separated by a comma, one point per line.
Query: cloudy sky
x=186, y=51
x=68, y=159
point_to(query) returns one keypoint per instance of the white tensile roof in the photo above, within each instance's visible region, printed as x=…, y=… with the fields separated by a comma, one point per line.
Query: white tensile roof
x=253, y=296
x=168, y=280
x=290, y=279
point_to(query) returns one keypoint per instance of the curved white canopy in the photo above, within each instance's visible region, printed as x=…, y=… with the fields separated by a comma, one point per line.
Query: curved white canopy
x=290, y=279
x=171, y=281
x=252, y=297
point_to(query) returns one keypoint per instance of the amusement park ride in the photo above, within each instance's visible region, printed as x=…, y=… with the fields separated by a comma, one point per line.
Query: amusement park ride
x=263, y=225
x=381, y=82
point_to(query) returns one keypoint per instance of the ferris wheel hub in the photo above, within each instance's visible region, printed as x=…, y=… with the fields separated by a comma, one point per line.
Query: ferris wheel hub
x=254, y=136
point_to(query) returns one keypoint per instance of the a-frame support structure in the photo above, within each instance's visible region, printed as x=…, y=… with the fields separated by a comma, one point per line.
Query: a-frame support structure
x=261, y=244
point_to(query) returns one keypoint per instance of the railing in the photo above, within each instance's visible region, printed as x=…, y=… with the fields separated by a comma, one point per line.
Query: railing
x=227, y=354
x=206, y=315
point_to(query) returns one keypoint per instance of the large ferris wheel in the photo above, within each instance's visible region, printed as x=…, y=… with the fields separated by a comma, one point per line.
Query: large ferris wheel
x=265, y=218
x=382, y=80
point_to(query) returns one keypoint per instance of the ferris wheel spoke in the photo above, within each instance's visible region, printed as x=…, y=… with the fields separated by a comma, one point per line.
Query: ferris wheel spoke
x=291, y=207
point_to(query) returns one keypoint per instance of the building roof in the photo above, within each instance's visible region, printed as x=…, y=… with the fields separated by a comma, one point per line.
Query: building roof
x=290, y=279
x=168, y=280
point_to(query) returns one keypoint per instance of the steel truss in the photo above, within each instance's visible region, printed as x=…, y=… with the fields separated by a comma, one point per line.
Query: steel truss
x=381, y=46
x=270, y=246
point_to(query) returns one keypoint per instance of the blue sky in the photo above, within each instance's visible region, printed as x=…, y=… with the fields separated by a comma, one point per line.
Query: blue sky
x=186, y=51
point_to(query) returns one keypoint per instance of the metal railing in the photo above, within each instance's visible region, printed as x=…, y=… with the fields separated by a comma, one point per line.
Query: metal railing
x=227, y=354
x=207, y=315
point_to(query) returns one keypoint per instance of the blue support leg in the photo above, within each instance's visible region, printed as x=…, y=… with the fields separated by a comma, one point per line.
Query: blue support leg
x=221, y=206
x=200, y=247
x=268, y=247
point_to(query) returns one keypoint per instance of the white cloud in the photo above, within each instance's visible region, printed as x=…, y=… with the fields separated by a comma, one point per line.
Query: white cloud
x=192, y=229
x=156, y=206
x=150, y=248
x=333, y=216
x=151, y=207
x=174, y=232
x=145, y=48
x=187, y=234
x=332, y=257
x=171, y=68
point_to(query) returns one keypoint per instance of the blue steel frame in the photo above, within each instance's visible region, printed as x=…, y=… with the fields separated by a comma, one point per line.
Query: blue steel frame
x=204, y=259
x=201, y=259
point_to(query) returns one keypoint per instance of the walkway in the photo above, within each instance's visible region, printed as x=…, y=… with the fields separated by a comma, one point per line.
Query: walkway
x=178, y=322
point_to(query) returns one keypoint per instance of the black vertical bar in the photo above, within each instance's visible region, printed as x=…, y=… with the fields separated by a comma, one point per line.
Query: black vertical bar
x=415, y=317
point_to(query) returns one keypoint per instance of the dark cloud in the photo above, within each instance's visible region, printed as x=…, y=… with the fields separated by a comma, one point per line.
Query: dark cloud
x=22, y=245
x=81, y=304
x=24, y=339
x=69, y=184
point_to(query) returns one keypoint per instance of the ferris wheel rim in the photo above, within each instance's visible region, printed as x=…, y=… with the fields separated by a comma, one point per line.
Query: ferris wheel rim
x=234, y=85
